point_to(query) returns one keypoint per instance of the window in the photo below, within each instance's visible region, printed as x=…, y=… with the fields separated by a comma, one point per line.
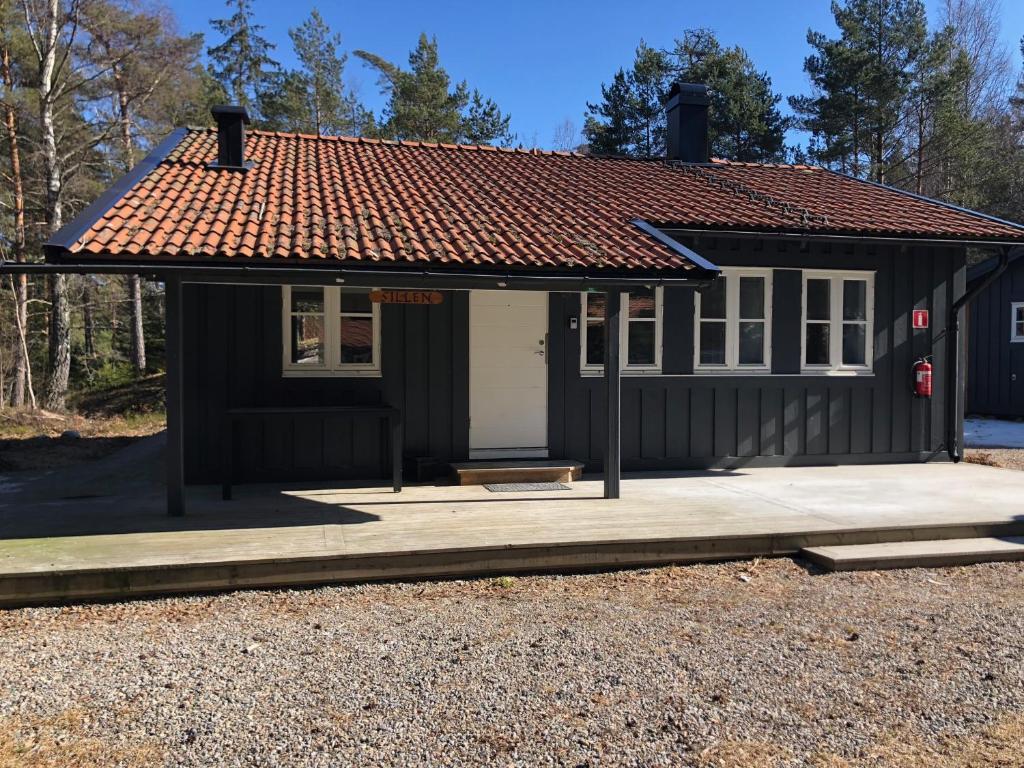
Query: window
x=1017, y=322
x=838, y=311
x=330, y=332
x=733, y=322
x=641, y=331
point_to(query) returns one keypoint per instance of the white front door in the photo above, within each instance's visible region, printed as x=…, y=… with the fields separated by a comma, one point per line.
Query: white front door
x=508, y=377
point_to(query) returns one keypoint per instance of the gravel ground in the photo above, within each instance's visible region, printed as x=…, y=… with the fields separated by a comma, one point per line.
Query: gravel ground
x=763, y=663
x=1008, y=458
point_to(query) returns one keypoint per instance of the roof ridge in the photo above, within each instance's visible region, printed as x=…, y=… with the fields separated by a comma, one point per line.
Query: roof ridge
x=752, y=164
x=807, y=216
x=520, y=150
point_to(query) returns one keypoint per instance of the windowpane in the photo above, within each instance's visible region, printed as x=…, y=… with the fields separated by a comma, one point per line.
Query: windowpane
x=752, y=298
x=712, y=343
x=854, y=344
x=641, y=303
x=356, y=300
x=308, y=300
x=818, y=292
x=595, y=304
x=817, y=344
x=751, y=343
x=1020, y=329
x=855, y=300
x=307, y=340
x=356, y=338
x=595, y=342
x=712, y=300
x=641, y=343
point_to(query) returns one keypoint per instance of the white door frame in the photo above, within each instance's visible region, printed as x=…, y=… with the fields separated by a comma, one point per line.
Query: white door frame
x=501, y=452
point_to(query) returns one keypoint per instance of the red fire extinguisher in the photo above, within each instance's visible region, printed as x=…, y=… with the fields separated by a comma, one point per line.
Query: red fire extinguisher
x=923, y=377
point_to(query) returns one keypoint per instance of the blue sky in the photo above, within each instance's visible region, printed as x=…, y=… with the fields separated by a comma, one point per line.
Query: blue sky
x=543, y=60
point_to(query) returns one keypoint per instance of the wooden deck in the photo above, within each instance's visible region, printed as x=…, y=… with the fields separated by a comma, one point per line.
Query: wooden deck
x=123, y=545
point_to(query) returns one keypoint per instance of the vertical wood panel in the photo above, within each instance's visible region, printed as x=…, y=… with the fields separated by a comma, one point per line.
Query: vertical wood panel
x=817, y=420
x=654, y=416
x=677, y=421
x=748, y=422
x=725, y=420
x=702, y=422
x=838, y=420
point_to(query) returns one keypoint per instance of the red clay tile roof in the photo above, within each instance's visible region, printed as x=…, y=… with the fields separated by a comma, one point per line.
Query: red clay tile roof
x=311, y=199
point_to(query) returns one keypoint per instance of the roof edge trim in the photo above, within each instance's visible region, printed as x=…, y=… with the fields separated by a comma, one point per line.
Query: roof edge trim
x=687, y=253
x=65, y=238
x=848, y=237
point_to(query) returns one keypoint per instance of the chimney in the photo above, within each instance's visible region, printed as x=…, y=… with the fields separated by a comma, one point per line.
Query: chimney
x=687, y=115
x=231, y=122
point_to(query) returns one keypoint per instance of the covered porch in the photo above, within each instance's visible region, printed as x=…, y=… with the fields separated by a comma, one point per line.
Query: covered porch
x=97, y=539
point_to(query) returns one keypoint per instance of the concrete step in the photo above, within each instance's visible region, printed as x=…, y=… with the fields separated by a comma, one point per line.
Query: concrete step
x=915, y=554
x=517, y=471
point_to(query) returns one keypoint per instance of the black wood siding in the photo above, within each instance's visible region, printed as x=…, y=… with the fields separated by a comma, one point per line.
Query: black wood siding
x=233, y=358
x=679, y=420
x=995, y=378
x=671, y=421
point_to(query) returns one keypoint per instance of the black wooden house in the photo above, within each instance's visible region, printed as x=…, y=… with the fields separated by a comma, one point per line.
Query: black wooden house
x=995, y=380
x=514, y=304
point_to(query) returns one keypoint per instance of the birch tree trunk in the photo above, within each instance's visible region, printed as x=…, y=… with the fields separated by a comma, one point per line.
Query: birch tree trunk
x=22, y=372
x=53, y=214
x=138, y=345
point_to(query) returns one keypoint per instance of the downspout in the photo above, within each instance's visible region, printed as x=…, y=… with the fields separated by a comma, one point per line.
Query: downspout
x=953, y=331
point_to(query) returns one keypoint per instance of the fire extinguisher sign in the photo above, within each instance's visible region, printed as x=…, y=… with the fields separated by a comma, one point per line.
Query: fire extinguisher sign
x=920, y=319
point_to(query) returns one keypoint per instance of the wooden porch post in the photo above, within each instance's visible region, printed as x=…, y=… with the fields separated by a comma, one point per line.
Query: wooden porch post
x=612, y=382
x=175, y=470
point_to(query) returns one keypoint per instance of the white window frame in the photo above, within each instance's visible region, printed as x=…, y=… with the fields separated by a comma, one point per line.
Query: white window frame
x=624, y=320
x=835, y=343
x=332, y=365
x=1015, y=307
x=732, y=322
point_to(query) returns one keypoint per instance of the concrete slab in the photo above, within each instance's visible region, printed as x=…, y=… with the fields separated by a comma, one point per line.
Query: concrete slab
x=916, y=554
x=122, y=543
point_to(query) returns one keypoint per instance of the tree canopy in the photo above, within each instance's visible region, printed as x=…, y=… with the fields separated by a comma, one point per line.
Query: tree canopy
x=424, y=105
x=744, y=121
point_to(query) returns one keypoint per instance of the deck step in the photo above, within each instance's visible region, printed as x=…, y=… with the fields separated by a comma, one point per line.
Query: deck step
x=517, y=471
x=915, y=554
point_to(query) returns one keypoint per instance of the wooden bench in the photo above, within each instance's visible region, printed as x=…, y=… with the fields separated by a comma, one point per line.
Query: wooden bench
x=393, y=417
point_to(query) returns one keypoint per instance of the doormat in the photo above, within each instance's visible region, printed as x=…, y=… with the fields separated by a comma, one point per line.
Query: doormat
x=515, y=487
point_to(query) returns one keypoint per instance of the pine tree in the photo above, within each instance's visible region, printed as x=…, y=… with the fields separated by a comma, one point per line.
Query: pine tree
x=607, y=128
x=322, y=64
x=423, y=105
x=744, y=121
x=862, y=80
x=242, y=62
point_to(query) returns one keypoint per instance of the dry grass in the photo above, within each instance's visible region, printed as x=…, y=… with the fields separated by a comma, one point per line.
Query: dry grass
x=1004, y=458
x=33, y=439
x=998, y=746
x=64, y=741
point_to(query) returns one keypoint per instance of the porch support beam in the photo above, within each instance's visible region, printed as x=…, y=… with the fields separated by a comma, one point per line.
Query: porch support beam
x=175, y=470
x=612, y=382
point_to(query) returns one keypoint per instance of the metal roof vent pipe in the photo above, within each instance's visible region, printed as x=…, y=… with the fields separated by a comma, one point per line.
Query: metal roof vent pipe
x=686, y=113
x=231, y=122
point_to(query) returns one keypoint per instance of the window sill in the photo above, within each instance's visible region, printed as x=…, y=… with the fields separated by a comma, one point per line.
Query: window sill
x=837, y=372
x=325, y=374
x=732, y=371
x=593, y=372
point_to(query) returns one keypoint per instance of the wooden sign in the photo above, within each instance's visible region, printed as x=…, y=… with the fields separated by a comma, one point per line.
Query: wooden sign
x=920, y=318
x=406, y=297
